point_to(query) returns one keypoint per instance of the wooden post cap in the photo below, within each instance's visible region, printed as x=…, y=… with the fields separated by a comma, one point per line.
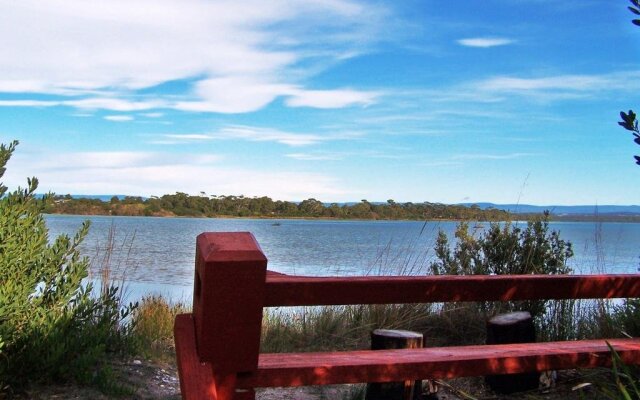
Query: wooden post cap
x=397, y=333
x=384, y=339
x=513, y=327
x=230, y=278
x=510, y=318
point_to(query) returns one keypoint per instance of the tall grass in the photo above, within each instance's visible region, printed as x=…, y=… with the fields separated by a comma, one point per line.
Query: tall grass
x=148, y=330
x=152, y=327
x=336, y=327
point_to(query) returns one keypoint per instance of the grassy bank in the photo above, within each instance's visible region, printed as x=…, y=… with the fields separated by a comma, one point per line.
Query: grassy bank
x=348, y=328
x=500, y=249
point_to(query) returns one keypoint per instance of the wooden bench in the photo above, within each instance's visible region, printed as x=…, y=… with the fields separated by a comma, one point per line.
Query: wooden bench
x=217, y=345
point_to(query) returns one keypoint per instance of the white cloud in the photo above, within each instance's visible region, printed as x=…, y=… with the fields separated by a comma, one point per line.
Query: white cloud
x=113, y=104
x=152, y=115
x=240, y=55
x=99, y=160
x=565, y=82
x=27, y=103
x=562, y=83
x=147, y=173
x=93, y=103
x=119, y=118
x=189, y=137
x=96, y=159
x=510, y=156
x=256, y=134
x=331, y=98
x=233, y=95
x=485, y=42
x=314, y=156
x=502, y=89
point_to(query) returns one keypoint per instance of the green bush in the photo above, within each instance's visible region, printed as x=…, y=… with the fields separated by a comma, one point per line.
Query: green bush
x=51, y=326
x=506, y=249
x=626, y=317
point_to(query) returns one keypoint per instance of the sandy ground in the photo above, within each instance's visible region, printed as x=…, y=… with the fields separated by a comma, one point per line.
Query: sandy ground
x=155, y=381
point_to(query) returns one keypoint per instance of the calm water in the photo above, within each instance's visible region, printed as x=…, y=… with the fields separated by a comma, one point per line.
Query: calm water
x=156, y=254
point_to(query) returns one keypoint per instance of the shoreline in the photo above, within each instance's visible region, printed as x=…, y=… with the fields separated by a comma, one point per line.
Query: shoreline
x=524, y=217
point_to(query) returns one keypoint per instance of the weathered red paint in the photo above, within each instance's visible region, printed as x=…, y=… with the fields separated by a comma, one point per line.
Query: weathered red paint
x=217, y=347
x=228, y=298
x=300, y=369
x=196, y=377
x=298, y=290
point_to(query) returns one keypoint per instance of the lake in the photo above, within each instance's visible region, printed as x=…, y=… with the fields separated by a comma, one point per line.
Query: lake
x=156, y=255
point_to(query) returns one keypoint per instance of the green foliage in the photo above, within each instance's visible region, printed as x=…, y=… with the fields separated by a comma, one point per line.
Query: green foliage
x=636, y=10
x=51, y=327
x=184, y=205
x=626, y=317
x=504, y=249
x=629, y=121
x=626, y=380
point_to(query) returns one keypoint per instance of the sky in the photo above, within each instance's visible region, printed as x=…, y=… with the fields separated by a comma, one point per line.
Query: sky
x=504, y=101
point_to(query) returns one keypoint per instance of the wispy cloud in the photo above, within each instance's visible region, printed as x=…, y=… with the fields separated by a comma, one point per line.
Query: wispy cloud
x=509, y=156
x=189, y=137
x=238, y=56
x=152, y=115
x=119, y=118
x=257, y=134
x=331, y=98
x=562, y=85
x=118, y=160
x=315, y=156
x=248, y=133
x=485, y=42
x=27, y=103
x=481, y=94
x=440, y=164
x=148, y=173
x=264, y=134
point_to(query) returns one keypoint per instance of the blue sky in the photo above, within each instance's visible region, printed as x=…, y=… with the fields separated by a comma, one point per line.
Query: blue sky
x=500, y=100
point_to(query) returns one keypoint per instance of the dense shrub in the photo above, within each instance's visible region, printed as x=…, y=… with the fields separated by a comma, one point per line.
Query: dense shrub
x=626, y=317
x=51, y=326
x=508, y=249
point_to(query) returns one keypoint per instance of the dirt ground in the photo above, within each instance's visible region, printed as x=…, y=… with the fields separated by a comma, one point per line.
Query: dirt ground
x=145, y=380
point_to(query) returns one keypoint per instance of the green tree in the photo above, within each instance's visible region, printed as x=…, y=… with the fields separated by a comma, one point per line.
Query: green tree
x=51, y=327
x=504, y=249
x=629, y=121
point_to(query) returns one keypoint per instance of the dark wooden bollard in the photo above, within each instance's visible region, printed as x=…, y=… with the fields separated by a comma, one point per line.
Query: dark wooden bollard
x=382, y=339
x=515, y=327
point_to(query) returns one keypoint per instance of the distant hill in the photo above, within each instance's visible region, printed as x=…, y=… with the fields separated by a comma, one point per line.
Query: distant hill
x=562, y=210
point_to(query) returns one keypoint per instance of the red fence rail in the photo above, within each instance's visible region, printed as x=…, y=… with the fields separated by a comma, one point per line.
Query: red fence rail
x=218, y=344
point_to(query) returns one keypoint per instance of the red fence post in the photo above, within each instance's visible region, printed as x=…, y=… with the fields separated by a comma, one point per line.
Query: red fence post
x=228, y=297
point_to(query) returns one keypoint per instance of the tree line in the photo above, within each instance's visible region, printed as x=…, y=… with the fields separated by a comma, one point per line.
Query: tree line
x=184, y=205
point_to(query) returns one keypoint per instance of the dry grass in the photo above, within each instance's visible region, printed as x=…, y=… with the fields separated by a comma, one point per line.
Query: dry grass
x=152, y=327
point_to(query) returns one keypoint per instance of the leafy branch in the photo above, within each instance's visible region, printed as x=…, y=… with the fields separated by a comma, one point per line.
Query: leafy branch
x=629, y=121
x=635, y=10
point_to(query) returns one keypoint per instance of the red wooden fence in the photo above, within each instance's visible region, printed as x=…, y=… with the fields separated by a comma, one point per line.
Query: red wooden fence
x=217, y=345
